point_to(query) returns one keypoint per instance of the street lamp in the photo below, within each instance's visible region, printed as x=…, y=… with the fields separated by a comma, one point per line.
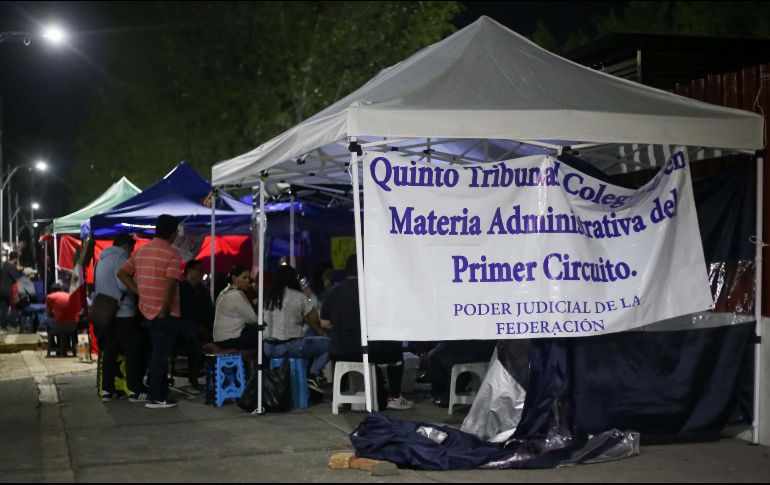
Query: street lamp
x=32, y=225
x=53, y=35
x=5, y=181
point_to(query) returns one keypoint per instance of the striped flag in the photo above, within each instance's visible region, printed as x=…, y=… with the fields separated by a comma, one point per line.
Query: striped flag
x=78, y=295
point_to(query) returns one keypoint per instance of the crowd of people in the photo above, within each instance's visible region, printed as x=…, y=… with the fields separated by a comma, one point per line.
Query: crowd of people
x=157, y=314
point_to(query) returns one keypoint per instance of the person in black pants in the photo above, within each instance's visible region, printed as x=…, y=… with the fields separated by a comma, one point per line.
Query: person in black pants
x=9, y=274
x=340, y=315
x=445, y=355
x=197, y=318
x=123, y=333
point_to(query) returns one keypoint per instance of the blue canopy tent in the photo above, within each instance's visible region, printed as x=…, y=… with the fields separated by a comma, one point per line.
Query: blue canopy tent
x=307, y=226
x=181, y=193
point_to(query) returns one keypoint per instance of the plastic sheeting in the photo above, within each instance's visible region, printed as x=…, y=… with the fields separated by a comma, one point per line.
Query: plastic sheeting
x=499, y=403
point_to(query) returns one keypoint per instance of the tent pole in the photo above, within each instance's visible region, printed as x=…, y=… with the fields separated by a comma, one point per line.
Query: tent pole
x=292, y=262
x=45, y=268
x=55, y=258
x=354, y=154
x=758, y=306
x=261, y=309
x=212, y=250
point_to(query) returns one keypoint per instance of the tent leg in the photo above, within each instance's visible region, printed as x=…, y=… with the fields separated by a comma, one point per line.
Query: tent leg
x=212, y=249
x=45, y=268
x=354, y=154
x=758, y=307
x=55, y=258
x=292, y=260
x=261, y=308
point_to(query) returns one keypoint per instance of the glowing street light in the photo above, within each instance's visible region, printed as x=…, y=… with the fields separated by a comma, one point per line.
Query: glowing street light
x=41, y=165
x=54, y=35
x=32, y=208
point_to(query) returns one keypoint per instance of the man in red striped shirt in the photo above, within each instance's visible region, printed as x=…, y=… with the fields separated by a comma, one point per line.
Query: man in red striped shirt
x=156, y=267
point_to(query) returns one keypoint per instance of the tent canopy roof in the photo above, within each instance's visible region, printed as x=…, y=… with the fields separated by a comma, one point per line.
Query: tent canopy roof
x=181, y=193
x=485, y=82
x=118, y=192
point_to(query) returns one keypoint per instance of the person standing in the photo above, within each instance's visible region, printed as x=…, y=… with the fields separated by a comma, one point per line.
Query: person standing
x=122, y=334
x=156, y=266
x=9, y=274
x=197, y=318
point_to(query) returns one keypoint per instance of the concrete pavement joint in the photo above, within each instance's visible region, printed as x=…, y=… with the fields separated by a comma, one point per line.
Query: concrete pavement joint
x=331, y=423
x=56, y=459
x=211, y=456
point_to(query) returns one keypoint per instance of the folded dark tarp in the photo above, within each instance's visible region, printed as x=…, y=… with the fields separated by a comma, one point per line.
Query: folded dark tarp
x=425, y=446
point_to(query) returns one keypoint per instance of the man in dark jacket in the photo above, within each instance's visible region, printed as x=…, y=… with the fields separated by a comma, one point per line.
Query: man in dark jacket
x=9, y=274
x=197, y=318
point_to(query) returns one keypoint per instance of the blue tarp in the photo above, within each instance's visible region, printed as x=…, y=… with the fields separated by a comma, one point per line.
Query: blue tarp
x=305, y=209
x=314, y=226
x=183, y=194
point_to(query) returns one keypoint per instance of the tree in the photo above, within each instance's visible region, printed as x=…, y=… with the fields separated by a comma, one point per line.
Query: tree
x=721, y=19
x=211, y=80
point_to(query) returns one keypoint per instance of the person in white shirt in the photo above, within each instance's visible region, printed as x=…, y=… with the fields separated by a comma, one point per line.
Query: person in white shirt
x=286, y=310
x=235, y=319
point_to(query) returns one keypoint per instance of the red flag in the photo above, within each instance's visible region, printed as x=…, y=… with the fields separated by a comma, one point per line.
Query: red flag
x=78, y=295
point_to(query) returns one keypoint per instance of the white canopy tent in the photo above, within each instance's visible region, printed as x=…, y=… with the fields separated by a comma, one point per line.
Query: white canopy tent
x=486, y=94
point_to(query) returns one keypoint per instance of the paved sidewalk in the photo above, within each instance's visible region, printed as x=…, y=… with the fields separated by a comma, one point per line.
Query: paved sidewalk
x=82, y=439
x=17, y=342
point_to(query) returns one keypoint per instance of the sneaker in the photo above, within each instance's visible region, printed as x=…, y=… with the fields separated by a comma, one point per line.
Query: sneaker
x=137, y=397
x=399, y=403
x=315, y=384
x=107, y=396
x=168, y=403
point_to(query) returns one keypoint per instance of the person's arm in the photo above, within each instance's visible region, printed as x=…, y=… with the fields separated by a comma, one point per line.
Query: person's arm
x=126, y=275
x=325, y=317
x=312, y=320
x=243, y=308
x=168, y=297
x=48, y=309
x=172, y=284
x=128, y=280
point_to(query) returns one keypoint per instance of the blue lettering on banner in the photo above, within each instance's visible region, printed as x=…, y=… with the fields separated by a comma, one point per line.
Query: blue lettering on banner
x=383, y=173
x=544, y=327
x=481, y=309
x=501, y=176
x=558, y=267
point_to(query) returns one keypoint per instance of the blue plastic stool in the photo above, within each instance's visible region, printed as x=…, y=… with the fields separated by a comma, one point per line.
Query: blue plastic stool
x=300, y=394
x=224, y=378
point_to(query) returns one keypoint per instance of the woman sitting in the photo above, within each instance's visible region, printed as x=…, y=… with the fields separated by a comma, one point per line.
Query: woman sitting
x=286, y=310
x=235, y=319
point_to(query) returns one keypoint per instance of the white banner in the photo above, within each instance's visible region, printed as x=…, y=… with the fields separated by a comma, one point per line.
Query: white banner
x=525, y=248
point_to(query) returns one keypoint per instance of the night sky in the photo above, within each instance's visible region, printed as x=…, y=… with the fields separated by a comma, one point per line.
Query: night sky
x=46, y=91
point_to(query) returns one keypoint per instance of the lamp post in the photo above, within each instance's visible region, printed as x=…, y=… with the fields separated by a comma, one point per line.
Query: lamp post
x=5, y=181
x=53, y=35
x=32, y=225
